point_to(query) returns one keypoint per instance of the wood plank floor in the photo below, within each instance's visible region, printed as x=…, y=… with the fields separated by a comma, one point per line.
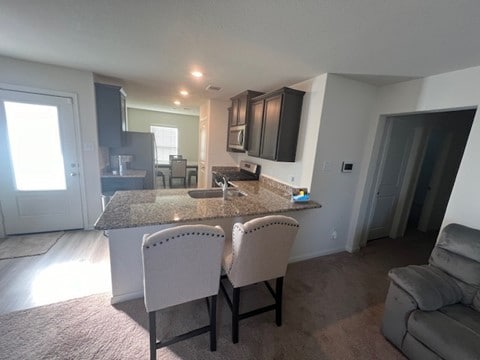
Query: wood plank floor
x=77, y=265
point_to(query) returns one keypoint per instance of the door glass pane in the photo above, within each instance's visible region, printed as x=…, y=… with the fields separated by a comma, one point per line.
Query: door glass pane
x=35, y=147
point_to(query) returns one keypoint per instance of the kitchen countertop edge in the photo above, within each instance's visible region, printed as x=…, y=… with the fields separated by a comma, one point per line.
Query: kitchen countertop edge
x=132, y=209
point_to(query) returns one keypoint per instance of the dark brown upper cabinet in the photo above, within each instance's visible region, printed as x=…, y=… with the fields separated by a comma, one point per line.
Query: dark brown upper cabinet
x=274, y=125
x=111, y=114
x=239, y=113
x=255, y=127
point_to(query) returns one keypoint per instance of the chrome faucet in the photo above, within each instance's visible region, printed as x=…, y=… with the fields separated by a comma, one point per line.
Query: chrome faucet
x=223, y=184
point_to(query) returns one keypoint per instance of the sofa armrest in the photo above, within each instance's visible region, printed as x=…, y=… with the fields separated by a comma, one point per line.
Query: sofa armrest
x=398, y=307
x=430, y=287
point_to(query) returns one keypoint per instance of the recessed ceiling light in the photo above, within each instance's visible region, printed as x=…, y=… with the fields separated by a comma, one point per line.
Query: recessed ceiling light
x=176, y=102
x=183, y=92
x=197, y=74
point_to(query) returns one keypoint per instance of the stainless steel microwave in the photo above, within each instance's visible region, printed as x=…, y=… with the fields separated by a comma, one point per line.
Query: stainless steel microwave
x=237, y=138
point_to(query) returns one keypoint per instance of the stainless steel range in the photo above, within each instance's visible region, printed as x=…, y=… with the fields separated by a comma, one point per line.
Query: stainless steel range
x=246, y=171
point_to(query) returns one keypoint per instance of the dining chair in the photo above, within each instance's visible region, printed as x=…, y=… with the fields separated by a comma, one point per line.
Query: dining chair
x=182, y=264
x=258, y=252
x=173, y=157
x=178, y=170
x=161, y=175
x=192, y=173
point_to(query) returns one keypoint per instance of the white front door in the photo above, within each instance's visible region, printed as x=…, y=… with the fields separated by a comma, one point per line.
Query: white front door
x=39, y=182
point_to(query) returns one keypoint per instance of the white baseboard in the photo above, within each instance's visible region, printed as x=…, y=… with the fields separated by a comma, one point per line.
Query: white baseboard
x=352, y=249
x=125, y=297
x=314, y=255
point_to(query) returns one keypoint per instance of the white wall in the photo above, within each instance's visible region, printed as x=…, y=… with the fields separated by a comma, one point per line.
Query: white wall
x=54, y=78
x=458, y=89
x=217, y=137
x=187, y=125
x=342, y=134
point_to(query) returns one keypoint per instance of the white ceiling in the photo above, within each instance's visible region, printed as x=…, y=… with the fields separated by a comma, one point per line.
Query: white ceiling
x=152, y=45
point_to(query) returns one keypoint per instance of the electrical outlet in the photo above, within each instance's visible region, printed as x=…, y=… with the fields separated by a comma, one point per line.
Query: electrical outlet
x=292, y=178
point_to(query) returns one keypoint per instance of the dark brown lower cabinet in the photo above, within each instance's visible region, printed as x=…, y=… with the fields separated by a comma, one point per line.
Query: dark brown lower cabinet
x=274, y=125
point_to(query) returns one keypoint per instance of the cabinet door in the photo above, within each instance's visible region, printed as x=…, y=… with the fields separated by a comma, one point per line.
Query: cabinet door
x=255, y=128
x=271, y=123
x=242, y=110
x=234, y=117
x=122, y=183
x=109, y=115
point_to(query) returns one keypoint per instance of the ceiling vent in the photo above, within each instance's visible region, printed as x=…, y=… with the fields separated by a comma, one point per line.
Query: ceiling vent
x=213, y=88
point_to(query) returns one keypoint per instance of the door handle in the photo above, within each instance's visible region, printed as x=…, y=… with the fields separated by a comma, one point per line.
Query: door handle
x=73, y=174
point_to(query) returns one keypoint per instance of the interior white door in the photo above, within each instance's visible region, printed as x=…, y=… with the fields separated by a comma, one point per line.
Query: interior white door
x=39, y=186
x=440, y=185
x=390, y=176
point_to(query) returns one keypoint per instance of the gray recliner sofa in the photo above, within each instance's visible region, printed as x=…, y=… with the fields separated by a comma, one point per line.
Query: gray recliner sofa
x=433, y=311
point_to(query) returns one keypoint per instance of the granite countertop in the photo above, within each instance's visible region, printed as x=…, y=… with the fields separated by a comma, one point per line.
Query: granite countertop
x=136, y=208
x=127, y=174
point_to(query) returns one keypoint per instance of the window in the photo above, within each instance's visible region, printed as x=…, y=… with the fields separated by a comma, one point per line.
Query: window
x=36, y=150
x=166, y=140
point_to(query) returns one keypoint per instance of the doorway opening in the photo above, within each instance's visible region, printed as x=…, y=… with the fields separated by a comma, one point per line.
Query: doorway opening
x=416, y=169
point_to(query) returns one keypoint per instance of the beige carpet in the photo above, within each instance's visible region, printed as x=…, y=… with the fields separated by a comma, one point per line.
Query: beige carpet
x=28, y=245
x=333, y=308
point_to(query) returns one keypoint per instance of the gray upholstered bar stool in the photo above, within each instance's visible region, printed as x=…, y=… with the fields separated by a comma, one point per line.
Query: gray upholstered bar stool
x=182, y=264
x=259, y=251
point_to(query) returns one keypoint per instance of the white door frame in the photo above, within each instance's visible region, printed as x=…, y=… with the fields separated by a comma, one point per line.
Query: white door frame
x=363, y=216
x=78, y=140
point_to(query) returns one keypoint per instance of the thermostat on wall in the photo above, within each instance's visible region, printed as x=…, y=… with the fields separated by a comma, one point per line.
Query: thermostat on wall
x=347, y=167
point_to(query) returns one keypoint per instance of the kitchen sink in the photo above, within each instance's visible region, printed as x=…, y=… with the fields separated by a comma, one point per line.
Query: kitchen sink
x=214, y=193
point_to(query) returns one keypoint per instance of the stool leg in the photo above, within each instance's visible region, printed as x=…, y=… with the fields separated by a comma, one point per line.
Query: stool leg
x=235, y=314
x=213, y=323
x=153, y=335
x=278, y=301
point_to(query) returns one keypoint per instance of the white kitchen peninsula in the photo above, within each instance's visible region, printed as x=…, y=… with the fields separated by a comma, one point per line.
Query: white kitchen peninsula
x=131, y=214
